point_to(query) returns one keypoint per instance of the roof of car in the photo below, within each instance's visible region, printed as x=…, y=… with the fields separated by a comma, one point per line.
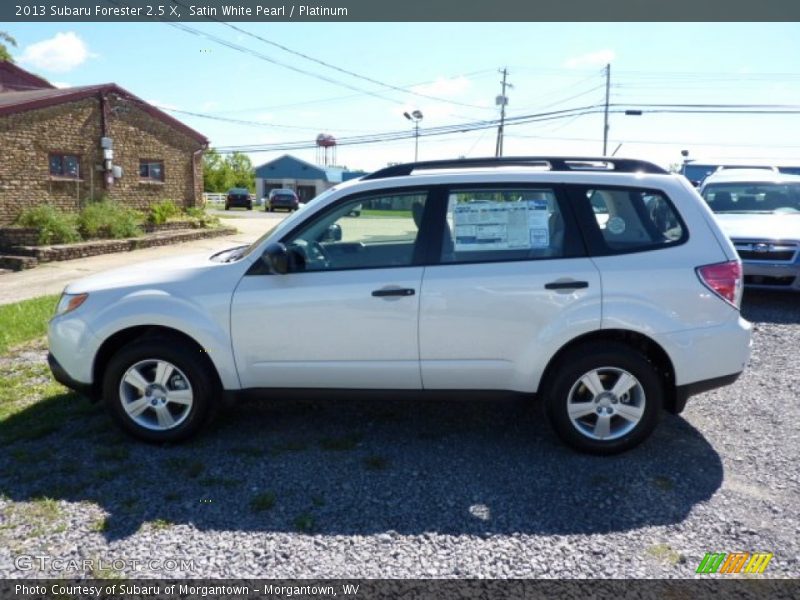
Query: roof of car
x=750, y=176
x=238, y=191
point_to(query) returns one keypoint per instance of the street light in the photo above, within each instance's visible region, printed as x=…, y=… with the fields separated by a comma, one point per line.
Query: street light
x=416, y=117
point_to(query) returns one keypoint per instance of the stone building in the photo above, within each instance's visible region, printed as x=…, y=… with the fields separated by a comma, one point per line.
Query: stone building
x=65, y=146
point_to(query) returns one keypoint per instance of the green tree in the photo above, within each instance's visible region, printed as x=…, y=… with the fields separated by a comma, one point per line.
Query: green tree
x=221, y=174
x=242, y=172
x=8, y=39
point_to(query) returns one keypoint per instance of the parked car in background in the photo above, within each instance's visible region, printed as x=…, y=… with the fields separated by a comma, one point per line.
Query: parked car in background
x=759, y=210
x=696, y=171
x=282, y=198
x=603, y=286
x=238, y=198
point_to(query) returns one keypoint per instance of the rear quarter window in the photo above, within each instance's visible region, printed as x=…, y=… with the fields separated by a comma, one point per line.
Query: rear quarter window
x=621, y=220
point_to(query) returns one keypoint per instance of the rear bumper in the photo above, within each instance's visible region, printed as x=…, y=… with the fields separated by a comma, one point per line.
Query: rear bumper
x=62, y=377
x=684, y=392
x=239, y=203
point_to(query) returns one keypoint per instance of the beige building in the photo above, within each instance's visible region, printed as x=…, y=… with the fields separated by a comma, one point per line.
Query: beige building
x=66, y=146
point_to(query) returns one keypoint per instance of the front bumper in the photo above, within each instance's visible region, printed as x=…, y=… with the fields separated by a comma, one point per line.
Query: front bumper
x=772, y=276
x=62, y=377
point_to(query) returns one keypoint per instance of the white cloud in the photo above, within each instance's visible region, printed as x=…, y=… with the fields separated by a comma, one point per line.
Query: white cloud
x=209, y=105
x=61, y=84
x=591, y=59
x=62, y=52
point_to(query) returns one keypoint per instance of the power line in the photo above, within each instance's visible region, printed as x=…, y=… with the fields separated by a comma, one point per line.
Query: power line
x=339, y=69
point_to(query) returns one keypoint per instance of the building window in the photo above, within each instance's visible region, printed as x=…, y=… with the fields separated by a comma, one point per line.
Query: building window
x=64, y=165
x=151, y=170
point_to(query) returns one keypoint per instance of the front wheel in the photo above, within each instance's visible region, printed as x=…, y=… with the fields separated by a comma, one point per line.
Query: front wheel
x=603, y=398
x=159, y=390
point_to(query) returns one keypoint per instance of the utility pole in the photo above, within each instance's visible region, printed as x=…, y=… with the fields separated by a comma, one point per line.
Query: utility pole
x=502, y=100
x=605, y=113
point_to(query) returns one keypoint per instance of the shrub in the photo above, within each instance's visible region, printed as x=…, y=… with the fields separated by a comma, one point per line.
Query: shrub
x=200, y=218
x=161, y=212
x=55, y=226
x=108, y=219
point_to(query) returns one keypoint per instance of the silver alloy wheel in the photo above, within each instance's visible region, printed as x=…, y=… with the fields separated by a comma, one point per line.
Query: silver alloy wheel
x=156, y=394
x=606, y=403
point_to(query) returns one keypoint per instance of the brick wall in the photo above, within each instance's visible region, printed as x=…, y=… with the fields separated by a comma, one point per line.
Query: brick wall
x=27, y=139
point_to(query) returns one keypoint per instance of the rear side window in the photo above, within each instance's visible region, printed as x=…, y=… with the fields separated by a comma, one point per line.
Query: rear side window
x=500, y=224
x=631, y=220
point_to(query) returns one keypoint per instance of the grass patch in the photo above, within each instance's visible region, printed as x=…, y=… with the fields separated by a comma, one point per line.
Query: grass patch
x=158, y=524
x=665, y=554
x=262, y=502
x=100, y=525
x=304, y=523
x=24, y=321
x=342, y=443
x=375, y=463
x=371, y=212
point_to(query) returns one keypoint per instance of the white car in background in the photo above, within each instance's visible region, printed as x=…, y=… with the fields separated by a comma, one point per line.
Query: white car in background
x=602, y=285
x=759, y=209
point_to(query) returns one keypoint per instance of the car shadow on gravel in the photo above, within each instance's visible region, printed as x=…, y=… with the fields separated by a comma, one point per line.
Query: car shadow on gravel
x=767, y=306
x=354, y=467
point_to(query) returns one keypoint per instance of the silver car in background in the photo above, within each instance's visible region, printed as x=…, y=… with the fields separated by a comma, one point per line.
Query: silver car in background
x=759, y=209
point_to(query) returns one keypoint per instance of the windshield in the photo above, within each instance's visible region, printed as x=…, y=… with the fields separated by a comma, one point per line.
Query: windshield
x=753, y=197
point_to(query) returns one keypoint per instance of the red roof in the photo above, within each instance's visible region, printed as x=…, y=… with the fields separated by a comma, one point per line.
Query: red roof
x=16, y=102
x=13, y=78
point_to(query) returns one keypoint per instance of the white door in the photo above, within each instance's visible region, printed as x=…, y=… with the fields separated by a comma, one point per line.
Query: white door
x=345, y=315
x=512, y=286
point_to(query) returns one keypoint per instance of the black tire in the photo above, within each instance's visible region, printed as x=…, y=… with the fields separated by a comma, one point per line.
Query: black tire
x=196, y=368
x=227, y=207
x=565, y=378
x=271, y=209
x=249, y=207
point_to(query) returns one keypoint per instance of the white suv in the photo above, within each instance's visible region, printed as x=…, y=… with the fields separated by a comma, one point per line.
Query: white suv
x=602, y=285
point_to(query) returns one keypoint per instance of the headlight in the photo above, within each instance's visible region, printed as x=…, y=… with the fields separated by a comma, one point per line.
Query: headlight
x=70, y=302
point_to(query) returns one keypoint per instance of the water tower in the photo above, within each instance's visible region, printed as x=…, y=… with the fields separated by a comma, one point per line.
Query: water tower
x=326, y=150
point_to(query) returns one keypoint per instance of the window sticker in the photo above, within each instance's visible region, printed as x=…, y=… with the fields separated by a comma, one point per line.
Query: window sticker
x=489, y=225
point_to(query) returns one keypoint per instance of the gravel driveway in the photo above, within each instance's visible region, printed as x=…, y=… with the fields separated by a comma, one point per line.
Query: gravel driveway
x=385, y=487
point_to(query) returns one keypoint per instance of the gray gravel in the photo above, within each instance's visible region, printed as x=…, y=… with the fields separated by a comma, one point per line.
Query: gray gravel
x=452, y=488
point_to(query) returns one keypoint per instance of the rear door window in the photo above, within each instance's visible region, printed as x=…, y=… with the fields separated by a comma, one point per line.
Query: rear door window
x=620, y=220
x=504, y=223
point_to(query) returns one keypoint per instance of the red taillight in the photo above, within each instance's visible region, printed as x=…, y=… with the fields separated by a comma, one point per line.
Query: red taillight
x=724, y=279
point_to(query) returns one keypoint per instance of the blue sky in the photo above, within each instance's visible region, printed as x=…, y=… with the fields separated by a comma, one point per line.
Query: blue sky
x=552, y=66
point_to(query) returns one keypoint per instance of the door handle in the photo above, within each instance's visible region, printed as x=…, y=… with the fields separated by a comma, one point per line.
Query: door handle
x=566, y=285
x=393, y=292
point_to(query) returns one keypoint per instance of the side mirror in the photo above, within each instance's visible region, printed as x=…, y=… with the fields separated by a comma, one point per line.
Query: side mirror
x=276, y=258
x=332, y=234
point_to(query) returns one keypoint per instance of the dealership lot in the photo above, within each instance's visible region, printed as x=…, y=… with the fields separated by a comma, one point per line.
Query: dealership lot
x=388, y=487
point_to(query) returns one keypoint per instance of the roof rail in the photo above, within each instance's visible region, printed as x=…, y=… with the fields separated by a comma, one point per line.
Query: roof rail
x=553, y=163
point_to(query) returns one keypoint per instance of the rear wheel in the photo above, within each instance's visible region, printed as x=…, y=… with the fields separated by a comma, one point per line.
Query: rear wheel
x=603, y=398
x=159, y=390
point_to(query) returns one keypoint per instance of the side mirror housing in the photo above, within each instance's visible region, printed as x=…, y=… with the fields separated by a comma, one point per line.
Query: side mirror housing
x=276, y=258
